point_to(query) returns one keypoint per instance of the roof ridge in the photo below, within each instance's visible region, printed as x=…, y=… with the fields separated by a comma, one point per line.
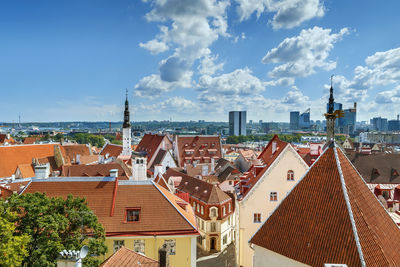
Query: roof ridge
x=160, y=190
x=348, y=205
x=289, y=192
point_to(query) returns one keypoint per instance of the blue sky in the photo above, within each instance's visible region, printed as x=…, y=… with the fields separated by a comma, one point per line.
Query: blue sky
x=187, y=59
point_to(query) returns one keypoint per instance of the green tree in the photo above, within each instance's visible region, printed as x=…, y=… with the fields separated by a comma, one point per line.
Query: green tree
x=13, y=246
x=55, y=224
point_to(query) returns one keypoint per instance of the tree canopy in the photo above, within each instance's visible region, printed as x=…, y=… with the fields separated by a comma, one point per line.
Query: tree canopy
x=13, y=245
x=55, y=224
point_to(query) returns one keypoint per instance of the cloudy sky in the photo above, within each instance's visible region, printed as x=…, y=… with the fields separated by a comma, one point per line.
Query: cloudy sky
x=196, y=59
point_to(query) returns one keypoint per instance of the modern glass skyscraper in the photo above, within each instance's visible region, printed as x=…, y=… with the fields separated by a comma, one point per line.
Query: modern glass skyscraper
x=294, y=120
x=237, y=123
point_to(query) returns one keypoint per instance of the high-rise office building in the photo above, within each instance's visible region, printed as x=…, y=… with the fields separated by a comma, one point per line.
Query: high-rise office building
x=294, y=120
x=394, y=125
x=237, y=123
x=379, y=124
x=304, y=120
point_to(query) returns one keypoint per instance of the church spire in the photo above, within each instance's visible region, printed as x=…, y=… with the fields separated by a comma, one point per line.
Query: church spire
x=330, y=117
x=127, y=123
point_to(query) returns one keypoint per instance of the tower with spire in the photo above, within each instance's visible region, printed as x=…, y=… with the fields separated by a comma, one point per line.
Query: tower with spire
x=330, y=117
x=126, y=132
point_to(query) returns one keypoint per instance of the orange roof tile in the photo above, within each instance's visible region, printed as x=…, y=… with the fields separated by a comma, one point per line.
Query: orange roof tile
x=31, y=140
x=94, y=170
x=26, y=170
x=151, y=142
x=331, y=216
x=12, y=156
x=5, y=192
x=111, y=150
x=71, y=151
x=267, y=157
x=125, y=257
x=159, y=213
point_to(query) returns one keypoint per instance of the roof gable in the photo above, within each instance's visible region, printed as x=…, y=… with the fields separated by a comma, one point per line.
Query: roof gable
x=332, y=214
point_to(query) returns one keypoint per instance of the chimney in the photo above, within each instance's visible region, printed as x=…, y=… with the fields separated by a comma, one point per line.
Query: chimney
x=114, y=173
x=158, y=169
x=42, y=171
x=273, y=147
x=163, y=256
x=78, y=159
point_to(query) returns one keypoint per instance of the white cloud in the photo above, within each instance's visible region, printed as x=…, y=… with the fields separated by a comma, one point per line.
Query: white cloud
x=154, y=46
x=237, y=82
x=208, y=65
x=302, y=54
x=288, y=13
x=153, y=86
x=389, y=97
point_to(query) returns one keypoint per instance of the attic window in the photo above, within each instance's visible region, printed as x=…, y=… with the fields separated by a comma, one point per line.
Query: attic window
x=194, y=144
x=132, y=215
x=196, y=188
x=213, y=144
x=186, y=144
x=375, y=171
x=186, y=183
x=394, y=173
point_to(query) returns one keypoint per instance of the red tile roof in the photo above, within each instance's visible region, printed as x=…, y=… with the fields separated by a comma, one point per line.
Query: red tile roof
x=266, y=158
x=31, y=140
x=331, y=216
x=71, y=151
x=12, y=156
x=200, y=145
x=94, y=170
x=150, y=143
x=125, y=257
x=5, y=192
x=111, y=150
x=208, y=193
x=160, y=212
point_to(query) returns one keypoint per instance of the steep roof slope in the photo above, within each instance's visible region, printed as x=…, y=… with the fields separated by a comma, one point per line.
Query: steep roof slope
x=266, y=158
x=149, y=144
x=377, y=168
x=111, y=150
x=109, y=199
x=125, y=257
x=331, y=216
x=206, y=192
x=94, y=170
x=12, y=156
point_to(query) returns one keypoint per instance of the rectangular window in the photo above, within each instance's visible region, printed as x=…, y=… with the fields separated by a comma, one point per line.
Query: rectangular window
x=213, y=227
x=171, y=244
x=257, y=218
x=229, y=207
x=202, y=225
x=273, y=196
x=138, y=246
x=224, y=239
x=118, y=244
x=132, y=215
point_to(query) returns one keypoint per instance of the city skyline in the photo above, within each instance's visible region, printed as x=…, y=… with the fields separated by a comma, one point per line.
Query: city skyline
x=72, y=61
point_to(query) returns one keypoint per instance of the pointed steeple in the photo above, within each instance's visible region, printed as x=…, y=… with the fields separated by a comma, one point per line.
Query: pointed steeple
x=127, y=123
x=330, y=117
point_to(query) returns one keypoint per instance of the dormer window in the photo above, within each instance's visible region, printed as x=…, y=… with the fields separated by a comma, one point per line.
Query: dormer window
x=132, y=215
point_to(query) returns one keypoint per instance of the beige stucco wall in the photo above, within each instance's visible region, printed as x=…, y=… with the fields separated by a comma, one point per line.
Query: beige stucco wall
x=264, y=257
x=258, y=199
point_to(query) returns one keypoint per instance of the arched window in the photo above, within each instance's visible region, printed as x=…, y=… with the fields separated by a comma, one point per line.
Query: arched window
x=202, y=210
x=290, y=175
x=213, y=211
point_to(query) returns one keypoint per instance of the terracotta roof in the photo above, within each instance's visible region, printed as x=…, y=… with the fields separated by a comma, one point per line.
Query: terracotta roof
x=112, y=150
x=4, y=139
x=71, y=151
x=94, y=170
x=150, y=143
x=208, y=193
x=159, y=157
x=26, y=170
x=196, y=143
x=5, y=192
x=160, y=213
x=125, y=257
x=31, y=140
x=331, y=216
x=377, y=168
x=159, y=179
x=87, y=159
x=267, y=157
x=12, y=156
